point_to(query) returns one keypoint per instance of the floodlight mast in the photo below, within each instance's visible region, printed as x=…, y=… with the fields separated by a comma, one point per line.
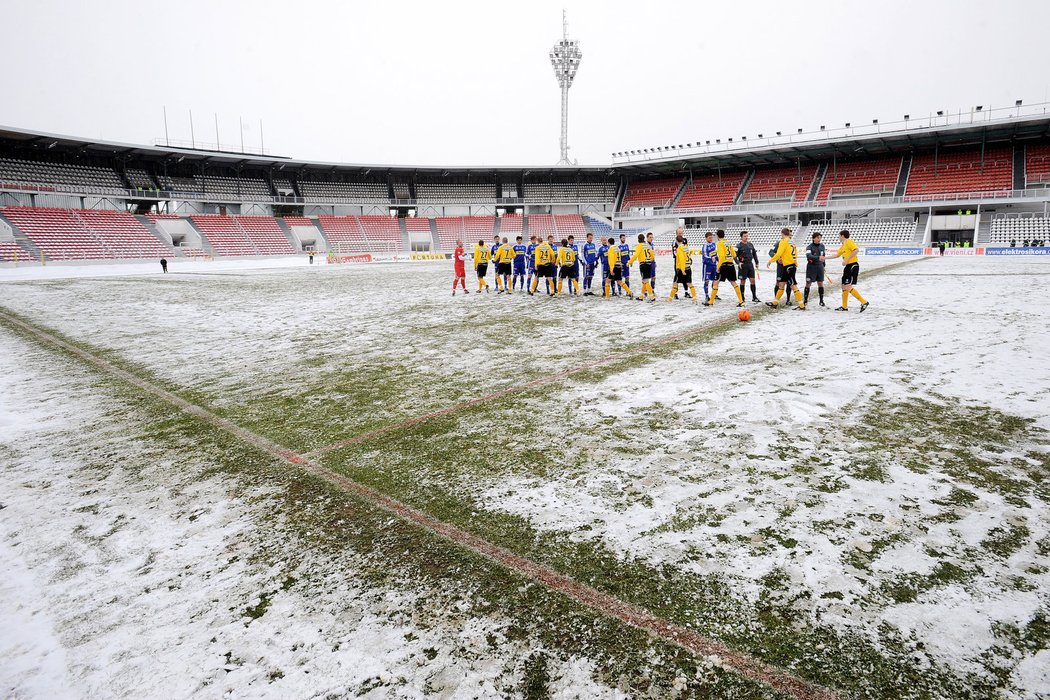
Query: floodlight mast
x=565, y=58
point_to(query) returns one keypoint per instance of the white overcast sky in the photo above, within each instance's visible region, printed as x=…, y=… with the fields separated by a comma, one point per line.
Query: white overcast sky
x=453, y=83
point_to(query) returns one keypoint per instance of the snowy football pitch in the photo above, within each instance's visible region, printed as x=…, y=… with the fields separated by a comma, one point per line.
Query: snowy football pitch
x=202, y=474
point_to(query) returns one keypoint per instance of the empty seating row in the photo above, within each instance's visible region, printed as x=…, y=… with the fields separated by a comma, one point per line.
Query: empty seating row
x=650, y=193
x=961, y=172
x=790, y=183
x=243, y=235
x=139, y=178
x=1037, y=165
x=587, y=192
x=351, y=234
x=511, y=225
x=219, y=187
x=1006, y=230
x=59, y=176
x=345, y=192
x=761, y=235
x=455, y=192
x=10, y=251
x=711, y=191
x=851, y=178
x=865, y=231
x=80, y=234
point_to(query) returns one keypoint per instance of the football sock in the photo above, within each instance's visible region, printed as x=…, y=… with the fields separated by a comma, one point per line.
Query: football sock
x=845, y=299
x=857, y=295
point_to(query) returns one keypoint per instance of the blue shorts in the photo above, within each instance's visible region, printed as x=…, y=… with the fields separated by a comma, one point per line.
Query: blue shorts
x=710, y=273
x=519, y=269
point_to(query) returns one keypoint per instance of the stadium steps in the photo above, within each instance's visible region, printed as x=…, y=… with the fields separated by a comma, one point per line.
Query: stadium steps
x=1020, y=176
x=984, y=226
x=405, y=240
x=152, y=228
x=902, y=177
x=206, y=245
x=818, y=181
x=90, y=232
x=524, y=227
x=621, y=192
x=287, y=230
x=22, y=240
x=686, y=181
x=591, y=217
x=743, y=186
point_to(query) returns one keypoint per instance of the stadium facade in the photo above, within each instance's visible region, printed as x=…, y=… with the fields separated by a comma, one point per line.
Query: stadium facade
x=980, y=182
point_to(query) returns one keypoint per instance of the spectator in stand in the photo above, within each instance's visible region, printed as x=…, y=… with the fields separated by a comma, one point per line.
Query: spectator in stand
x=941, y=246
x=459, y=268
x=164, y=265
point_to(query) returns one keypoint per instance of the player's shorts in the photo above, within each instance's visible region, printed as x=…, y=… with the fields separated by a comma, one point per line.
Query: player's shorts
x=482, y=269
x=503, y=268
x=545, y=271
x=851, y=273
x=569, y=272
x=747, y=271
x=727, y=272
x=685, y=277
x=616, y=274
x=710, y=273
x=625, y=269
x=787, y=275
x=646, y=270
x=814, y=273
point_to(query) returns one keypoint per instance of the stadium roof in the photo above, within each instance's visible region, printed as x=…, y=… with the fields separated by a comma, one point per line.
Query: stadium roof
x=878, y=143
x=45, y=140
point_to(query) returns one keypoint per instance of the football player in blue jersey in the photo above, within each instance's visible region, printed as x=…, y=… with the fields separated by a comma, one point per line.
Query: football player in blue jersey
x=520, y=253
x=625, y=256
x=603, y=256
x=589, y=253
x=709, y=255
x=530, y=262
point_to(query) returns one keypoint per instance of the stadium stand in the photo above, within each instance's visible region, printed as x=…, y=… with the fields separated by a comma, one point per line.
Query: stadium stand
x=10, y=251
x=297, y=220
x=186, y=185
x=1019, y=230
x=711, y=191
x=383, y=233
x=789, y=183
x=760, y=234
x=449, y=230
x=344, y=192
x=472, y=192
x=864, y=232
x=243, y=235
x=511, y=225
x=961, y=172
x=140, y=178
x=862, y=177
x=344, y=233
x=1037, y=165
x=650, y=193
x=60, y=176
x=570, y=225
x=68, y=234
x=553, y=192
x=603, y=230
x=542, y=225
x=477, y=227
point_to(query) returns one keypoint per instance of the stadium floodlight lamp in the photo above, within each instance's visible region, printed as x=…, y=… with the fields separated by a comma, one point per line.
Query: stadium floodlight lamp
x=718, y=140
x=980, y=107
x=565, y=58
x=730, y=139
x=847, y=125
x=708, y=143
x=689, y=145
x=1017, y=104
x=743, y=138
x=822, y=127
x=800, y=131
x=940, y=112
x=874, y=121
x=760, y=136
x=907, y=117
x=778, y=133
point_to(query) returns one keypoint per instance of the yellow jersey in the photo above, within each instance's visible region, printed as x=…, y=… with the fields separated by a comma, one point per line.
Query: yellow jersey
x=504, y=254
x=848, y=251
x=683, y=258
x=785, y=253
x=566, y=256
x=482, y=253
x=614, y=256
x=544, y=254
x=724, y=252
x=643, y=253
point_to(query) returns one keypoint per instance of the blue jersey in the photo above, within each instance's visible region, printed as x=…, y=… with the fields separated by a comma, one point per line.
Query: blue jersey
x=530, y=256
x=576, y=258
x=590, y=253
x=604, y=258
x=494, y=247
x=709, y=251
x=625, y=252
x=520, y=253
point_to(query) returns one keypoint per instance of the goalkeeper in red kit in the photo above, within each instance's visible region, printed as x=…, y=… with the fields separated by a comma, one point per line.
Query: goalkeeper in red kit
x=460, y=269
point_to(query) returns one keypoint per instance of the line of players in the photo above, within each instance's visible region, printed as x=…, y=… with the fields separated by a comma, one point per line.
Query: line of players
x=522, y=266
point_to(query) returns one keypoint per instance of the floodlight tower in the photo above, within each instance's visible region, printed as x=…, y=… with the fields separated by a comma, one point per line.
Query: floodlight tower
x=565, y=58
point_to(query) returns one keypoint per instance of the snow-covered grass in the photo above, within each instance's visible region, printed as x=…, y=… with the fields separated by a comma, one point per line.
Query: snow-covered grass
x=858, y=497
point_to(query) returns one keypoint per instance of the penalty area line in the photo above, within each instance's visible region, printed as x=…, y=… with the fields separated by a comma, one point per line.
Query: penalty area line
x=602, y=603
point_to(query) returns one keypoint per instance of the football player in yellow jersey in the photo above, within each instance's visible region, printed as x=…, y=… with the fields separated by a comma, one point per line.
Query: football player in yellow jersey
x=504, y=259
x=725, y=258
x=786, y=255
x=544, y=266
x=646, y=258
x=683, y=270
x=482, y=253
x=567, y=263
x=848, y=252
x=615, y=269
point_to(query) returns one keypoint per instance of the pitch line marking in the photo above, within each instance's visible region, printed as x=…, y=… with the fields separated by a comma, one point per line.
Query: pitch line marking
x=602, y=603
x=635, y=351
